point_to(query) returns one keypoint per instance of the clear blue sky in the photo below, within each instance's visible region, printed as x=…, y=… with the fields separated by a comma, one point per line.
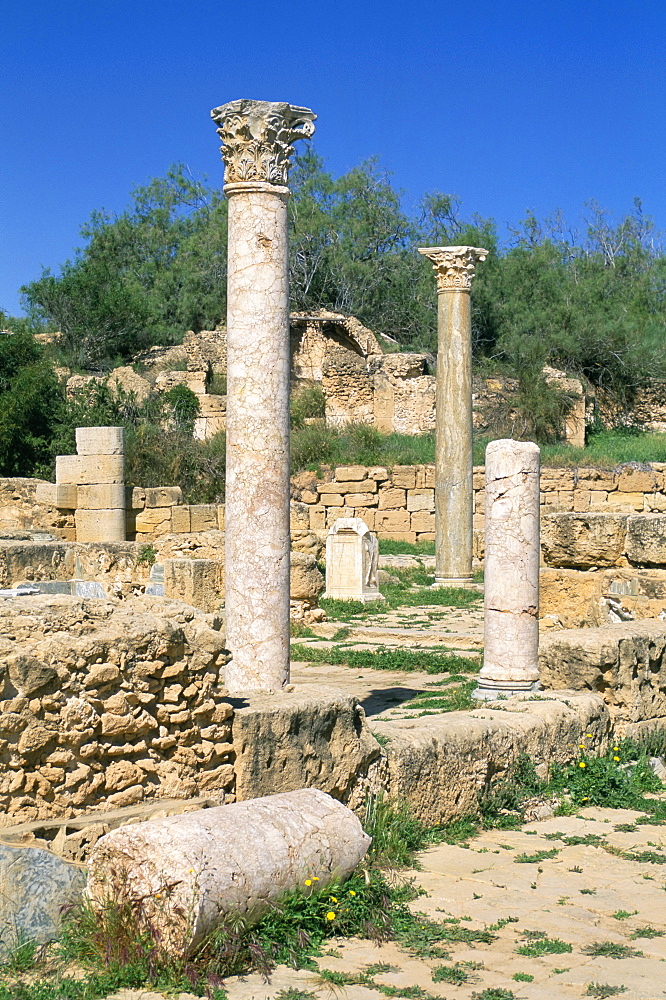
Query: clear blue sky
x=510, y=104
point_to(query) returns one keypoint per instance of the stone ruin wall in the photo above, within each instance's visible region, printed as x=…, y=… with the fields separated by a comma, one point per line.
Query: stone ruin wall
x=395, y=502
x=109, y=704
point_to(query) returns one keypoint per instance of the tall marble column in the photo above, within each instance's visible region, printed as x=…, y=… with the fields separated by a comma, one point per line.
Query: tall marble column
x=511, y=613
x=454, y=497
x=257, y=139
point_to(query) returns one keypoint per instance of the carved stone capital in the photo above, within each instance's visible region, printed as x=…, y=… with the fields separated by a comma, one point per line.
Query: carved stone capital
x=257, y=139
x=454, y=266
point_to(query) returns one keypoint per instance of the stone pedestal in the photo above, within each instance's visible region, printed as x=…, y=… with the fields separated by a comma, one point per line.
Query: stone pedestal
x=454, y=499
x=511, y=620
x=257, y=141
x=352, y=560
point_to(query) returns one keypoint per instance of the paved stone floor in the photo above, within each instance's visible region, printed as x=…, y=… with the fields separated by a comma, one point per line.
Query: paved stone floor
x=386, y=694
x=582, y=896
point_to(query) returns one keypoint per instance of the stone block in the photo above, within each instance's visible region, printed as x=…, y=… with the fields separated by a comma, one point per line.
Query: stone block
x=35, y=887
x=626, y=500
x=579, y=541
x=646, y=539
x=420, y=500
x=656, y=502
x=423, y=759
x=317, y=517
x=350, y=472
x=100, y=525
x=404, y=476
x=400, y=536
x=423, y=521
x=425, y=536
x=154, y=520
x=95, y=469
x=45, y=493
x=68, y=470
x=180, y=520
x=221, y=515
x=100, y=440
x=203, y=517
x=392, y=498
x=632, y=480
x=313, y=735
x=624, y=662
x=581, y=500
x=353, y=486
x=66, y=496
x=299, y=515
x=199, y=582
x=307, y=496
x=378, y=473
x=598, y=498
x=332, y=500
x=135, y=498
x=565, y=500
x=305, y=581
x=164, y=496
x=366, y=514
x=569, y=598
x=392, y=520
x=361, y=499
x=103, y=496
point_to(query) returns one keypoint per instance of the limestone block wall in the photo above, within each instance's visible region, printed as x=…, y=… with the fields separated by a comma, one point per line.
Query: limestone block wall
x=602, y=567
x=394, y=502
x=399, y=502
x=106, y=704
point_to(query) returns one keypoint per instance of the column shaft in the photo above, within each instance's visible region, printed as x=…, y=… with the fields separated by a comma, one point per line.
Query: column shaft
x=257, y=488
x=511, y=622
x=454, y=497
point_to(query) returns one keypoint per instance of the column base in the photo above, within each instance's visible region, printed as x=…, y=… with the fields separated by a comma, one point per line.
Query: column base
x=483, y=693
x=361, y=598
x=452, y=581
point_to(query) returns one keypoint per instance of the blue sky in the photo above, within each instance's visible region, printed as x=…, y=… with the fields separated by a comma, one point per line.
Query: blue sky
x=508, y=104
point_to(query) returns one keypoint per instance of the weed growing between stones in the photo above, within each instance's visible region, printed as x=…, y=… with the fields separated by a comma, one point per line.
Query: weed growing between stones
x=538, y=944
x=456, y=974
x=611, y=949
x=603, y=990
x=386, y=658
x=647, y=932
x=617, y=780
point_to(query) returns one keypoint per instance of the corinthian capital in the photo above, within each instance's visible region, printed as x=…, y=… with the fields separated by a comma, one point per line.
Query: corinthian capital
x=257, y=139
x=454, y=266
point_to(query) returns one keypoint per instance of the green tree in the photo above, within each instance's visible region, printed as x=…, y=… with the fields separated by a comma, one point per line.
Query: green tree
x=31, y=405
x=144, y=276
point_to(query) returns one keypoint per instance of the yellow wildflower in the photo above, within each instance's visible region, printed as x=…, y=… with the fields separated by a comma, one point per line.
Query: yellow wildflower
x=332, y=899
x=616, y=758
x=308, y=881
x=582, y=764
x=616, y=748
x=351, y=892
x=589, y=736
x=330, y=915
x=584, y=799
x=581, y=746
x=315, y=878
